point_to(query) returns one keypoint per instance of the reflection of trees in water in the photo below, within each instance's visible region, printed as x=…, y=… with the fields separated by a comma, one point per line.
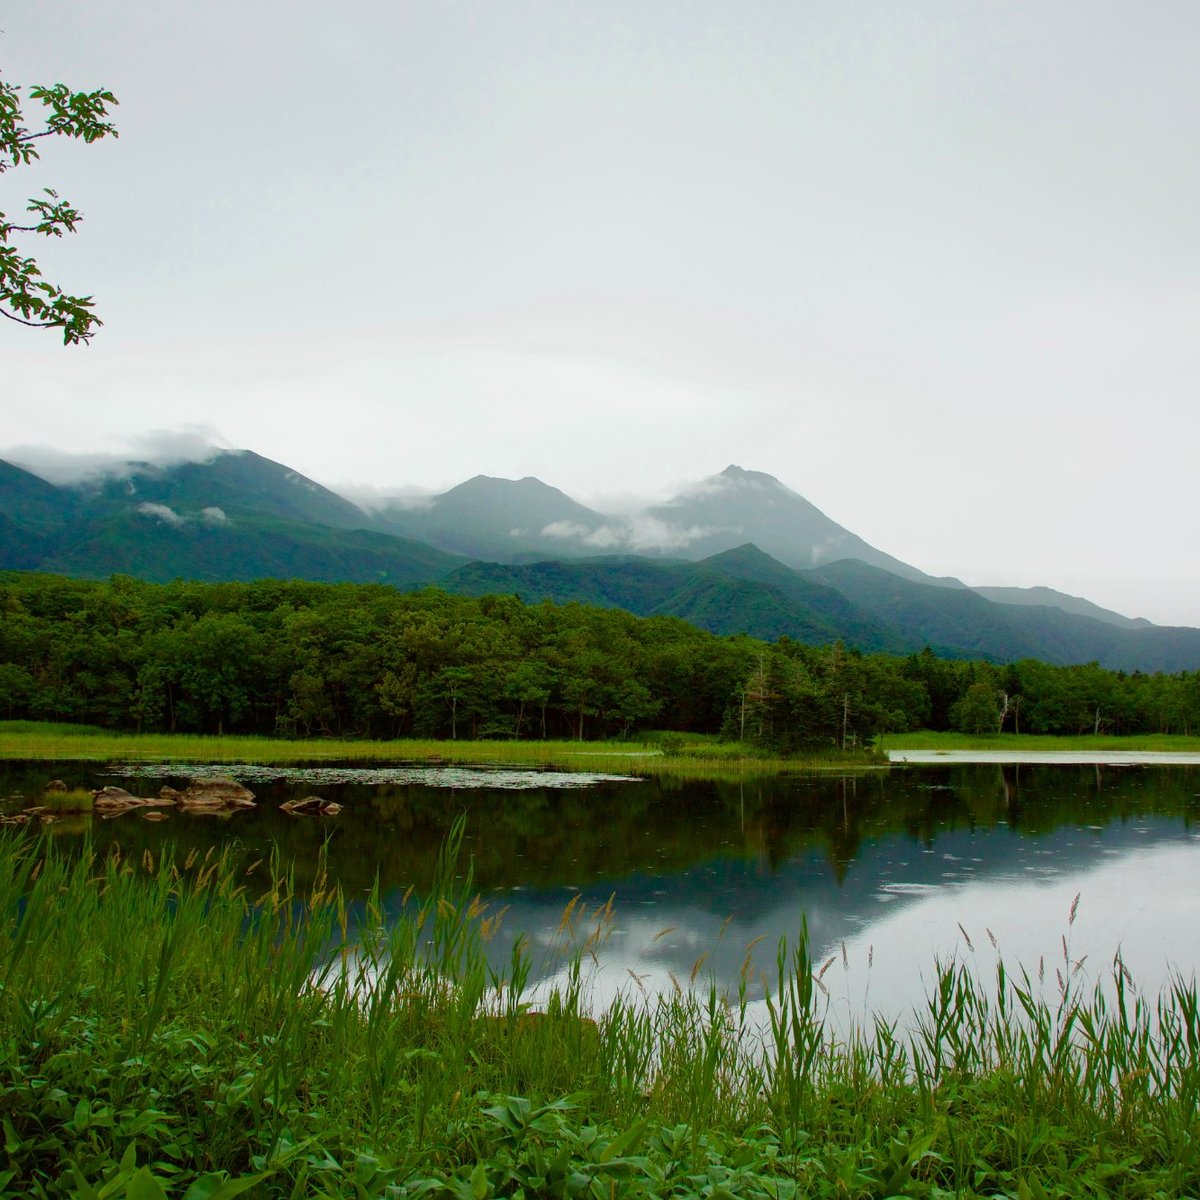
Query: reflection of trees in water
x=545, y=837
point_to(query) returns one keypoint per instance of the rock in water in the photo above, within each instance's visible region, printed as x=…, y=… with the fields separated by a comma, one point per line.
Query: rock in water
x=214, y=794
x=114, y=799
x=311, y=806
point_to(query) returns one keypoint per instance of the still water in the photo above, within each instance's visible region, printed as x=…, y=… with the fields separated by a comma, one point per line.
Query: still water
x=890, y=871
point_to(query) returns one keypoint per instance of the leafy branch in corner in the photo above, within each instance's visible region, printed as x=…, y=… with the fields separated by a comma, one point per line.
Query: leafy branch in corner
x=25, y=296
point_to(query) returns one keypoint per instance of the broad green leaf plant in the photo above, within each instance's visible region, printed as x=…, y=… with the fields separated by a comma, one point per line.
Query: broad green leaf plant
x=25, y=296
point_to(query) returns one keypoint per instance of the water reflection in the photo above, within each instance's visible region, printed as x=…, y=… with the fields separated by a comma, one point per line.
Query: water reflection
x=883, y=868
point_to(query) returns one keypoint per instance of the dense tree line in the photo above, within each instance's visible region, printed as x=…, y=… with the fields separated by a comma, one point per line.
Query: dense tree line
x=342, y=660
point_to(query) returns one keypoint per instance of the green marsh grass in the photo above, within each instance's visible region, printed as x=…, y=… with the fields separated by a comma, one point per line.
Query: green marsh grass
x=70, y=801
x=697, y=758
x=184, y=1029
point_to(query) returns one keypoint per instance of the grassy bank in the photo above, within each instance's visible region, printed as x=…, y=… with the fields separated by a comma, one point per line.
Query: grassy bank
x=204, y=1041
x=925, y=739
x=697, y=757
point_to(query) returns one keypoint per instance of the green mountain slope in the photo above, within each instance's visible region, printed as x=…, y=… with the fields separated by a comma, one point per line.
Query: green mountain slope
x=1044, y=597
x=242, y=548
x=238, y=516
x=236, y=482
x=743, y=591
x=32, y=503
x=964, y=624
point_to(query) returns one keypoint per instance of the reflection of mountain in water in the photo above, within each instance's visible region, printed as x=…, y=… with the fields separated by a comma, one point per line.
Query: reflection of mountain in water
x=890, y=873
x=841, y=853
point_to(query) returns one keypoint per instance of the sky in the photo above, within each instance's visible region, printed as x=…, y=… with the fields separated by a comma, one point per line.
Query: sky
x=935, y=265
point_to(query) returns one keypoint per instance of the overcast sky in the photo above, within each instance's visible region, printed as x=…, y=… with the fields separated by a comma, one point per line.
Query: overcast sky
x=934, y=265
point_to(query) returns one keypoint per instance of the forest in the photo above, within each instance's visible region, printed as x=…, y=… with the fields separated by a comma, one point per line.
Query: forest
x=304, y=659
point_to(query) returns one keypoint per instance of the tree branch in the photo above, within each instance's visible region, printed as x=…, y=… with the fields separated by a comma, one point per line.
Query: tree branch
x=22, y=321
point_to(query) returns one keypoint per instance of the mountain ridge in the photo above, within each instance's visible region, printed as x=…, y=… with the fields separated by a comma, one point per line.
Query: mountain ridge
x=240, y=515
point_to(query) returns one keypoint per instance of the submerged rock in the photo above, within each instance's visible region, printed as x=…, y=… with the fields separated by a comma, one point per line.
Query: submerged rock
x=56, y=785
x=311, y=806
x=113, y=795
x=114, y=800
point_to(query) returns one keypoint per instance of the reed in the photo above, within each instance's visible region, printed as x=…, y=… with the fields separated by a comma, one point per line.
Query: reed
x=182, y=1028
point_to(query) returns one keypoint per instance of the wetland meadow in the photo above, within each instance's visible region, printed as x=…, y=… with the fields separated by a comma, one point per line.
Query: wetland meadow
x=973, y=979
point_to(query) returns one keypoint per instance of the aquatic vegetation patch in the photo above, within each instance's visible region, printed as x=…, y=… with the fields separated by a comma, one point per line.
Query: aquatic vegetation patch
x=455, y=777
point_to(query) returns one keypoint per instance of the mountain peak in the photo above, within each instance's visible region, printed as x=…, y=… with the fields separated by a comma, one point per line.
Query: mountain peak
x=528, y=486
x=751, y=481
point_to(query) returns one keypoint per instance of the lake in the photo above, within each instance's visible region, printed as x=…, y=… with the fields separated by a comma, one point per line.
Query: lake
x=890, y=870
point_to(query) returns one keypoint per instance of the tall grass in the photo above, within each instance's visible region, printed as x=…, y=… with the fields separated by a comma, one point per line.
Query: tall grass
x=185, y=1027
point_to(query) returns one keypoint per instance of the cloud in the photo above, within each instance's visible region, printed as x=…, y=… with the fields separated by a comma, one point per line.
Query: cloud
x=374, y=498
x=212, y=515
x=638, y=533
x=158, y=447
x=566, y=529
x=161, y=512
x=651, y=533
x=607, y=537
x=188, y=443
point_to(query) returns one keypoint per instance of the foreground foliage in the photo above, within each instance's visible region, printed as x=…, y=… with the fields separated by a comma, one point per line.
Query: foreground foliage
x=214, y=1034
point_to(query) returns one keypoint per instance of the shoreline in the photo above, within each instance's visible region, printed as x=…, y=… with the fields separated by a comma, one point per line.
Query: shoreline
x=1099, y=758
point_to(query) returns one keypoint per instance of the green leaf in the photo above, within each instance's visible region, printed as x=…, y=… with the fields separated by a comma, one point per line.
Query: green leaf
x=479, y=1182
x=83, y=1189
x=12, y=1143
x=143, y=1186
x=213, y=1187
x=625, y=1142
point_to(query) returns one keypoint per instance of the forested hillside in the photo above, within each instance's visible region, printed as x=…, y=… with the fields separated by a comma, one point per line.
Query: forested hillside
x=239, y=516
x=366, y=660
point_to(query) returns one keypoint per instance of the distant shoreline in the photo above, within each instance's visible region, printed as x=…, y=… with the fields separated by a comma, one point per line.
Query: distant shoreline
x=1100, y=758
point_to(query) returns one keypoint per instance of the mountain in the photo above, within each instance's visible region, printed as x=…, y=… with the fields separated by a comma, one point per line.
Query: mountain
x=737, y=506
x=241, y=516
x=30, y=501
x=1045, y=597
x=242, y=548
x=508, y=521
x=238, y=482
x=962, y=623
x=32, y=511
x=238, y=516
x=747, y=591
x=740, y=591
x=502, y=519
